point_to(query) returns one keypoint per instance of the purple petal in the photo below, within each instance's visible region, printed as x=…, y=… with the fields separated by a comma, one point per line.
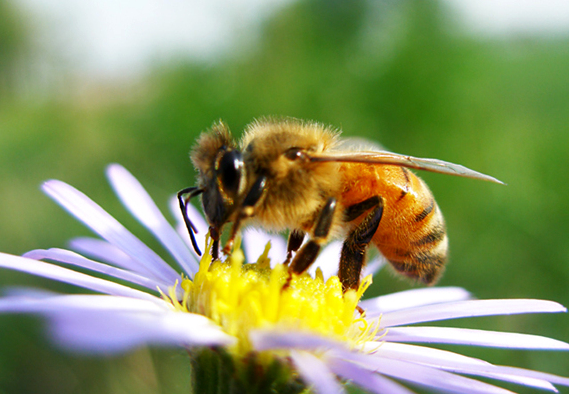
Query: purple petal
x=61, y=274
x=315, y=373
x=422, y=375
x=413, y=298
x=367, y=379
x=454, y=310
x=255, y=240
x=271, y=339
x=68, y=257
x=457, y=363
x=465, y=336
x=29, y=292
x=494, y=374
x=109, y=253
x=421, y=354
x=513, y=371
x=50, y=303
x=93, y=216
x=107, y=324
x=328, y=260
x=140, y=204
x=374, y=265
x=197, y=220
x=112, y=333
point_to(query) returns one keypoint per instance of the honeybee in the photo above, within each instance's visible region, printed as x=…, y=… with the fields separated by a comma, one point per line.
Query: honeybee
x=300, y=176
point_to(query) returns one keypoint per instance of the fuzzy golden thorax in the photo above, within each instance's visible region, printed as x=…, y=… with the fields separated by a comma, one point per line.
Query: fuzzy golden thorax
x=296, y=189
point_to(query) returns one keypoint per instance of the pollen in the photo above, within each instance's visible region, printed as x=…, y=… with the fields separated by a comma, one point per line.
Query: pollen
x=242, y=297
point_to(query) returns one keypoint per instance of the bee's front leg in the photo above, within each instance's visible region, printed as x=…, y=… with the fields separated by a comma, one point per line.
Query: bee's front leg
x=183, y=201
x=247, y=209
x=214, y=233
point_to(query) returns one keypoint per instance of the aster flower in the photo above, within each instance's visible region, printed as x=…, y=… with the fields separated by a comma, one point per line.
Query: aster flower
x=235, y=318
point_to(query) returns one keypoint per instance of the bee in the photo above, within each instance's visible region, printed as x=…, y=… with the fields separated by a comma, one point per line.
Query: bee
x=302, y=177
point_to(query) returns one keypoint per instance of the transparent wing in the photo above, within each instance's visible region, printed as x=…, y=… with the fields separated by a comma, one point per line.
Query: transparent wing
x=358, y=144
x=384, y=157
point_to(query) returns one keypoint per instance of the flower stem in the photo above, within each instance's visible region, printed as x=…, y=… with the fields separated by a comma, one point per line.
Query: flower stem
x=215, y=371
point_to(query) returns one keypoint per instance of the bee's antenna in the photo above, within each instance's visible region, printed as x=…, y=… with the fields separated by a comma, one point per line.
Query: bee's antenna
x=192, y=191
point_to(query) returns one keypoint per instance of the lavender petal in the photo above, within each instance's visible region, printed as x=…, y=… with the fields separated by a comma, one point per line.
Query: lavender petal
x=315, y=373
x=328, y=260
x=465, y=336
x=470, y=308
x=271, y=339
x=458, y=363
x=140, y=204
x=109, y=324
x=413, y=298
x=55, y=272
x=514, y=371
x=68, y=257
x=255, y=240
x=374, y=266
x=423, y=375
x=94, y=217
x=109, y=253
x=369, y=380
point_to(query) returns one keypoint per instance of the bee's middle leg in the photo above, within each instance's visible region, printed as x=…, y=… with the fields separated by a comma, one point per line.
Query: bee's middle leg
x=308, y=253
x=355, y=246
x=295, y=239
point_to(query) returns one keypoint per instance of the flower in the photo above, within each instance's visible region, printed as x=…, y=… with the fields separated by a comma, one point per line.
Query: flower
x=309, y=331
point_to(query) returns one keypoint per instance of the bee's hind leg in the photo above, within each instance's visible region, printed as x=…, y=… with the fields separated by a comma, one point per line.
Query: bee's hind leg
x=308, y=253
x=355, y=245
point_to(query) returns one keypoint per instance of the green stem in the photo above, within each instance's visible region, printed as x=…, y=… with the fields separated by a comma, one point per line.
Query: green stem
x=215, y=371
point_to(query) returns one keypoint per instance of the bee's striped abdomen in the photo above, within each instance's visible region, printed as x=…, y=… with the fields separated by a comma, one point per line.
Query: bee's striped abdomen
x=417, y=246
x=411, y=234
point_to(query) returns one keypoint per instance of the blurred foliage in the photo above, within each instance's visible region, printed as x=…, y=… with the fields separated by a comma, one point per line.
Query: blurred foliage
x=13, y=44
x=402, y=73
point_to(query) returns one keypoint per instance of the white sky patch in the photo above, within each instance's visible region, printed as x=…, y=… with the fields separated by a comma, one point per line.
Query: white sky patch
x=514, y=17
x=121, y=38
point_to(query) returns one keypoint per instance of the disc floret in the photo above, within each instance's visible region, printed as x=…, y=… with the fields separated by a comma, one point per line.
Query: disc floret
x=244, y=297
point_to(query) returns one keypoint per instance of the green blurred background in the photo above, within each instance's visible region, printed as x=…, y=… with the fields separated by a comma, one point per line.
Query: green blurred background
x=407, y=74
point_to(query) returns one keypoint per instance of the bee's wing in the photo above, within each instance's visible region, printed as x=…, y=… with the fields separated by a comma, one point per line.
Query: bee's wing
x=384, y=157
x=358, y=144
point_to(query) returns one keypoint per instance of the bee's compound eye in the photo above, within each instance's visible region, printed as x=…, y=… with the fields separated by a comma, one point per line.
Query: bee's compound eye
x=295, y=154
x=230, y=171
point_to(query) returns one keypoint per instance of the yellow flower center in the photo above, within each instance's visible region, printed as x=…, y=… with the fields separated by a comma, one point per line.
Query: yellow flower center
x=242, y=297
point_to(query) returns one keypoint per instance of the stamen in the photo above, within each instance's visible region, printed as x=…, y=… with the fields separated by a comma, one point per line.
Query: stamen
x=264, y=261
x=242, y=297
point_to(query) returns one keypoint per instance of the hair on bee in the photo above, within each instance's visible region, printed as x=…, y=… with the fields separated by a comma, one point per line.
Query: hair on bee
x=288, y=174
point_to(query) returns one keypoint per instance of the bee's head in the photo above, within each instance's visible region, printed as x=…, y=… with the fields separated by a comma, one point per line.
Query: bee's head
x=221, y=174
